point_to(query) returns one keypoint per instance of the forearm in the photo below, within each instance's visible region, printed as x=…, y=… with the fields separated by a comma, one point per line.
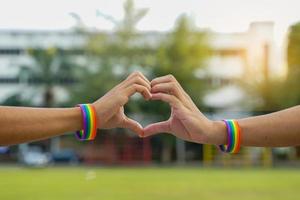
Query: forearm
x=19, y=124
x=272, y=130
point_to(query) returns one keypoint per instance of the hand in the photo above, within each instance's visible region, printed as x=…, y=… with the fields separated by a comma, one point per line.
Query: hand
x=186, y=121
x=110, y=107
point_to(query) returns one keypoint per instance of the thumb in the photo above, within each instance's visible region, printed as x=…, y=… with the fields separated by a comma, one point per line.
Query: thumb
x=156, y=128
x=133, y=126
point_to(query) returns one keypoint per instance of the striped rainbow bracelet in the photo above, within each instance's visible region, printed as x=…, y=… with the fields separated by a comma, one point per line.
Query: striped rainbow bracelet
x=233, y=137
x=89, y=123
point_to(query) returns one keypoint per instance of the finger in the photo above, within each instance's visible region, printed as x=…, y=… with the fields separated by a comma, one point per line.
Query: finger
x=138, y=74
x=160, y=127
x=167, y=79
x=163, y=79
x=168, y=88
x=144, y=77
x=172, y=100
x=180, y=92
x=129, y=77
x=140, y=89
x=133, y=125
x=137, y=80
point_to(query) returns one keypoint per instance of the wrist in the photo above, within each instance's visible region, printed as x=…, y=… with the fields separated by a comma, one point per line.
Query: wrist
x=218, y=133
x=74, y=118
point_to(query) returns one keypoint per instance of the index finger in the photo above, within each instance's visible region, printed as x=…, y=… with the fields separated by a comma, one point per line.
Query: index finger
x=137, y=73
x=163, y=79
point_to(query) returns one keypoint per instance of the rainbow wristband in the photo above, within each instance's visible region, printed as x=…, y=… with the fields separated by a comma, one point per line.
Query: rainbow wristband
x=233, y=137
x=89, y=123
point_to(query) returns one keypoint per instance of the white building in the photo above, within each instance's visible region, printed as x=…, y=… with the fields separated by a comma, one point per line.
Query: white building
x=13, y=55
x=237, y=56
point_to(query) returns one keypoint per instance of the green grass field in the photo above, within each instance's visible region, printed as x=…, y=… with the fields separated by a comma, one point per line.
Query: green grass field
x=148, y=183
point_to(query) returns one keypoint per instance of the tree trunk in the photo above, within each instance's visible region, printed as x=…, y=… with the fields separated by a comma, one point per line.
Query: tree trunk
x=180, y=151
x=166, y=156
x=48, y=97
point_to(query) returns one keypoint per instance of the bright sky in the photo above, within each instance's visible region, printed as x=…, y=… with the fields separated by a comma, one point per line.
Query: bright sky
x=218, y=15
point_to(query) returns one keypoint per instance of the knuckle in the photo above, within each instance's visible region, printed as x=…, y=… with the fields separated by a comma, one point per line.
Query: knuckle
x=171, y=77
x=134, y=74
x=173, y=85
x=137, y=87
x=138, y=79
x=122, y=97
x=137, y=73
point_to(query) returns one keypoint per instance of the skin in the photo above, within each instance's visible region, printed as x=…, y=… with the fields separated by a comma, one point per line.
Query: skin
x=20, y=124
x=188, y=123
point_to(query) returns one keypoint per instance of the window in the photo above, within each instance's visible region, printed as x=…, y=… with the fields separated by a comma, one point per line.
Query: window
x=10, y=51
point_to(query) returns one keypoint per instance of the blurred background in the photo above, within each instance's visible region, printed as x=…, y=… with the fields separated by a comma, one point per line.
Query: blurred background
x=235, y=58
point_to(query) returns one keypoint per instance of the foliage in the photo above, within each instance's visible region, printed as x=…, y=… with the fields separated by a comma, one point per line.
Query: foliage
x=112, y=56
x=50, y=67
x=181, y=54
x=276, y=93
x=292, y=96
x=15, y=100
x=293, y=49
x=270, y=95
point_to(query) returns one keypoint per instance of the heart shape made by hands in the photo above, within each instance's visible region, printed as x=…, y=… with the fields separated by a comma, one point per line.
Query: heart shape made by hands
x=185, y=121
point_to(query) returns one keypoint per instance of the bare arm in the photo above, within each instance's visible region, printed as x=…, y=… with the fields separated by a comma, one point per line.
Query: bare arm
x=277, y=129
x=19, y=124
x=187, y=122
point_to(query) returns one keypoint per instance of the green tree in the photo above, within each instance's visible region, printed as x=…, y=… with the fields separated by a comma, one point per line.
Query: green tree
x=292, y=97
x=15, y=100
x=293, y=49
x=182, y=52
x=50, y=68
x=112, y=56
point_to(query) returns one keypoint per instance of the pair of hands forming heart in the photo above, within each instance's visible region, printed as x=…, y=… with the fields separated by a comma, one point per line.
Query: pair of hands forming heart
x=185, y=122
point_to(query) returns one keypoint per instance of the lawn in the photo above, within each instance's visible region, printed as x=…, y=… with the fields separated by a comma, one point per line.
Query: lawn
x=148, y=183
